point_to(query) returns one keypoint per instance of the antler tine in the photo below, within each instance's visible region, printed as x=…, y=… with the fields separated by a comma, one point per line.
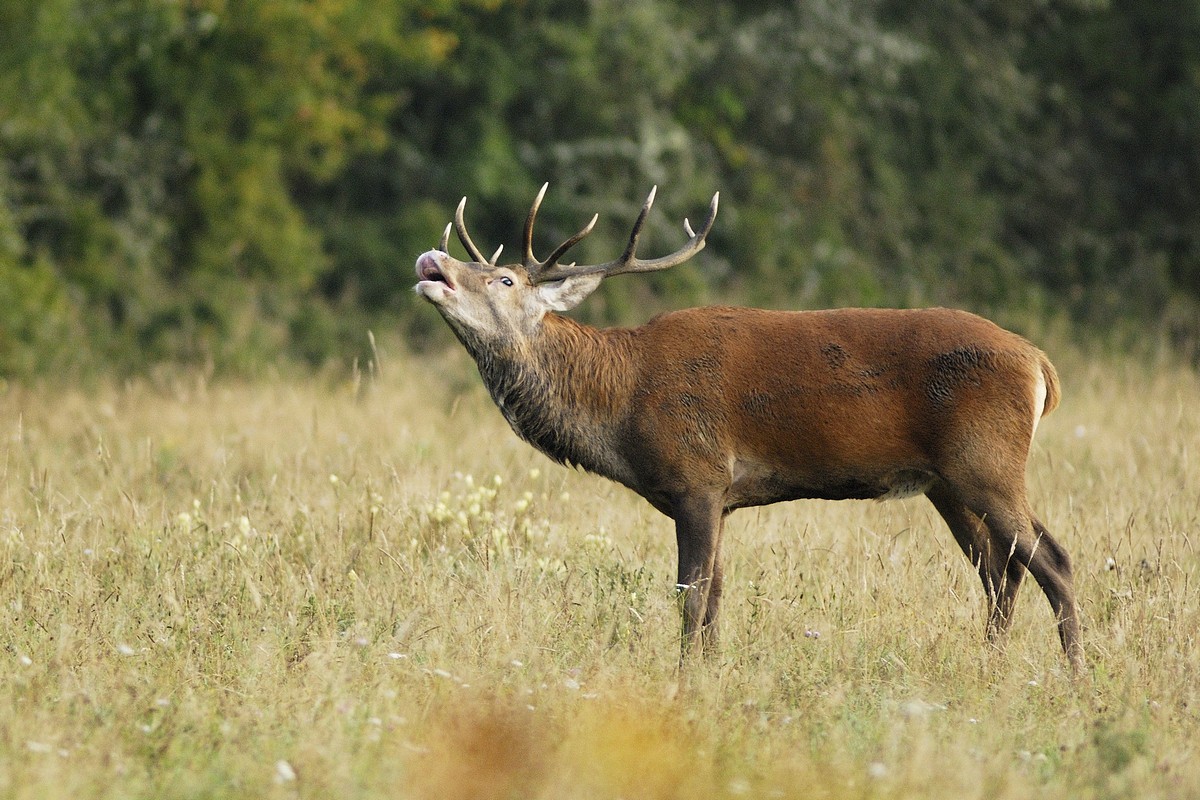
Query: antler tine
x=530, y=261
x=628, y=262
x=631, y=248
x=552, y=262
x=496, y=255
x=461, y=228
x=444, y=245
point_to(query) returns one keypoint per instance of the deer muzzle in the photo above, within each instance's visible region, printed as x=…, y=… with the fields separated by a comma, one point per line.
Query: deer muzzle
x=434, y=282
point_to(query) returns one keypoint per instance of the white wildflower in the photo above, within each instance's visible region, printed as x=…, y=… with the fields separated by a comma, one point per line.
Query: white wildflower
x=284, y=773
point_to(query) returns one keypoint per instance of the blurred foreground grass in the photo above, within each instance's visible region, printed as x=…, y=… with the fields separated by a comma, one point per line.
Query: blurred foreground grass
x=318, y=589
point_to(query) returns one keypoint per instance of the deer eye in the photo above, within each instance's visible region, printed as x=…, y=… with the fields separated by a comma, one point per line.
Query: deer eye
x=507, y=281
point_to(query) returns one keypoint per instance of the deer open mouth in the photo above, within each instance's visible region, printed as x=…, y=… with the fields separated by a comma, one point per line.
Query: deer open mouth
x=434, y=274
x=429, y=271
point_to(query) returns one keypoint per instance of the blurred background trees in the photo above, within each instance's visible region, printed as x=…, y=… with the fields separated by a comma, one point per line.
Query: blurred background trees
x=232, y=183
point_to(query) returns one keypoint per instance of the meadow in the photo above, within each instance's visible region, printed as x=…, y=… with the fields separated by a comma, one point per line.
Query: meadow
x=369, y=587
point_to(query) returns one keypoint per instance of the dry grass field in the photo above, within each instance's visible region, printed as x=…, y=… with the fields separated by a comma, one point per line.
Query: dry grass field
x=317, y=589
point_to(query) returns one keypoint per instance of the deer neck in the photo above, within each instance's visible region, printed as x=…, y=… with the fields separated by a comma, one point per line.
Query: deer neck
x=563, y=390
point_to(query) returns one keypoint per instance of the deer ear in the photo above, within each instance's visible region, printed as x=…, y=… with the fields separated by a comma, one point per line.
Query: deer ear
x=569, y=292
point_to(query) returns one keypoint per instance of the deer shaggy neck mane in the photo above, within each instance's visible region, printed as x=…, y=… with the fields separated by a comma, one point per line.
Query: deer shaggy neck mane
x=562, y=387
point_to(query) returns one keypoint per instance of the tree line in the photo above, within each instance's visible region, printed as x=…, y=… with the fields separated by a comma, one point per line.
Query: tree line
x=235, y=182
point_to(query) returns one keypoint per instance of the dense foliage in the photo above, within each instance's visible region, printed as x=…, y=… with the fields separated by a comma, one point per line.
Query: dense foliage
x=227, y=182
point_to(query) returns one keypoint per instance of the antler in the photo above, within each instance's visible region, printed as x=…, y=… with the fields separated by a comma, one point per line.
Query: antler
x=551, y=270
x=460, y=226
x=534, y=267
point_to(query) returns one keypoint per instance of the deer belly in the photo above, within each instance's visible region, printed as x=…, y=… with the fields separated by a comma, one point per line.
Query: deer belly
x=753, y=482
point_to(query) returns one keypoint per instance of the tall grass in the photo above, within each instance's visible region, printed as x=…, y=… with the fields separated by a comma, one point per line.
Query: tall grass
x=373, y=589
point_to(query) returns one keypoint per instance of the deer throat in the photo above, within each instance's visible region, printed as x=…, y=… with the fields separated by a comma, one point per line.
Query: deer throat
x=561, y=412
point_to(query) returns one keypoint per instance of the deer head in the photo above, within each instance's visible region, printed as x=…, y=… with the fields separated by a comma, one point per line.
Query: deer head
x=493, y=305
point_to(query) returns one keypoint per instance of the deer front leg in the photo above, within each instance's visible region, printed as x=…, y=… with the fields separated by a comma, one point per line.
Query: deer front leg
x=708, y=634
x=698, y=523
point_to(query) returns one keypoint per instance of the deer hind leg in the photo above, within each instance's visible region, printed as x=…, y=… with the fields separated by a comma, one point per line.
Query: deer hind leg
x=1000, y=577
x=1008, y=570
x=1017, y=541
x=1051, y=568
x=1033, y=548
x=698, y=525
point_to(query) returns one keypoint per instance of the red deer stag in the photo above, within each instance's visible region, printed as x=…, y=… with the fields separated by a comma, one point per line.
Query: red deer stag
x=709, y=410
